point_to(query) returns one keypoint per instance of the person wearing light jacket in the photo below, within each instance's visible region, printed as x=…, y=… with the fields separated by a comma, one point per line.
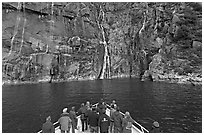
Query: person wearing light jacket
x=65, y=121
x=127, y=123
x=117, y=119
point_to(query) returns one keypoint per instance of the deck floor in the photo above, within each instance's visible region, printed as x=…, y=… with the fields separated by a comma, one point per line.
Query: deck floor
x=79, y=126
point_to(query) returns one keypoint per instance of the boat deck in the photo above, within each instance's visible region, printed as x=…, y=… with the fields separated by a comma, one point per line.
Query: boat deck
x=79, y=126
x=136, y=127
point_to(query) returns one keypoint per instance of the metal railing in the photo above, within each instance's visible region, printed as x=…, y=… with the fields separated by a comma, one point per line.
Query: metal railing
x=56, y=124
x=136, y=124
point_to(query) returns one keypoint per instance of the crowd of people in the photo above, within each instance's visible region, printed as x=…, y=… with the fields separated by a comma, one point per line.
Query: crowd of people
x=94, y=119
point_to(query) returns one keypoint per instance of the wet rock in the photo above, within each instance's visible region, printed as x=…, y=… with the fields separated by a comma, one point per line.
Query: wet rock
x=156, y=69
x=158, y=43
x=170, y=49
x=196, y=44
x=180, y=62
x=147, y=76
x=175, y=19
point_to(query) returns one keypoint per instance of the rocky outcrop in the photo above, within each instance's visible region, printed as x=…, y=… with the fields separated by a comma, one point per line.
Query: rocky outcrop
x=196, y=44
x=156, y=68
x=104, y=40
x=158, y=72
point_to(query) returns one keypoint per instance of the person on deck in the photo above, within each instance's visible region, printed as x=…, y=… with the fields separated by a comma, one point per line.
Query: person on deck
x=117, y=119
x=73, y=117
x=83, y=112
x=104, y=122
x=112, y=110
x=65, y=121
x=127, y=123
x=48, y=127
x=88, y=107
x=155, y=128
x=113, y=103
x=101, y=106
x=93, y=118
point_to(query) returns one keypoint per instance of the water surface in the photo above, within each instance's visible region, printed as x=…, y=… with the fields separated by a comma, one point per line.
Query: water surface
x=178, y=108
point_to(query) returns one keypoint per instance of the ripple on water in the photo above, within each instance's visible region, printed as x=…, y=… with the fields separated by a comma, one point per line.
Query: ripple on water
x=172, y=105
x=168, y=118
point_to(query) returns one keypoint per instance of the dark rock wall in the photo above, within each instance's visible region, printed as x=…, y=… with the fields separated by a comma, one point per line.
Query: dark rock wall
x=147, y=40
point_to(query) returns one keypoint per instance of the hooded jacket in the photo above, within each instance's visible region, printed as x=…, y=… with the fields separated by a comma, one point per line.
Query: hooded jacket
x=117, y=119
x=127, y=123
x=65, y=121
x=48, y=127
x=155, y=130
x=101, y=107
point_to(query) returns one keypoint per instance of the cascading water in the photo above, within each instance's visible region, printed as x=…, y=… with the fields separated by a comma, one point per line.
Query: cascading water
x=16, y=27
x=24, y=24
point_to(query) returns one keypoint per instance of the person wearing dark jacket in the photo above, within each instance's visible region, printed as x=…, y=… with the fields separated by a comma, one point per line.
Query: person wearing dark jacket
x=117, y=119
x=101, y=106
x=127, y=123
x=155, y=128
x=88, y=107
x=48, y=127
x=104, y=122
x=73, y=117
x=83, y=112
x=112, y=110
x=93, y=118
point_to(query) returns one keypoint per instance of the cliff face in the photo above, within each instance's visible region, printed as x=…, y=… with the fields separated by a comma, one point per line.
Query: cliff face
x=160, y=41
x=180, y=53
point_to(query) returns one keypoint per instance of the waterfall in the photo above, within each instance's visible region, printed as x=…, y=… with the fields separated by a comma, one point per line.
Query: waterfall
x=16, y=27
x=24, y=24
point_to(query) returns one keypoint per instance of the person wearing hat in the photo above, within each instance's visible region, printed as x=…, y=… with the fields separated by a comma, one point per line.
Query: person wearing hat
x=48, y=127
x=65, y=121
x=104, y=122
x=155, y=128
x=127, y=123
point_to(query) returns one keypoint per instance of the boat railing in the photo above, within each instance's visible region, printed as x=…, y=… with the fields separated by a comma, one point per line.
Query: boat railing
x=136, y=124
x=56, y=124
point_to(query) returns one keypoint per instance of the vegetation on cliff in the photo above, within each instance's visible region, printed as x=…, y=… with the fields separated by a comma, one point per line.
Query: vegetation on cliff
x=157, y=41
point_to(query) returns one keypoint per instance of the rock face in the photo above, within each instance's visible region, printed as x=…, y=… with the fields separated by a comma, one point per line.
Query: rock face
x=159, y=70
x=156, y=68
x=158, y=41
x=196, y=44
